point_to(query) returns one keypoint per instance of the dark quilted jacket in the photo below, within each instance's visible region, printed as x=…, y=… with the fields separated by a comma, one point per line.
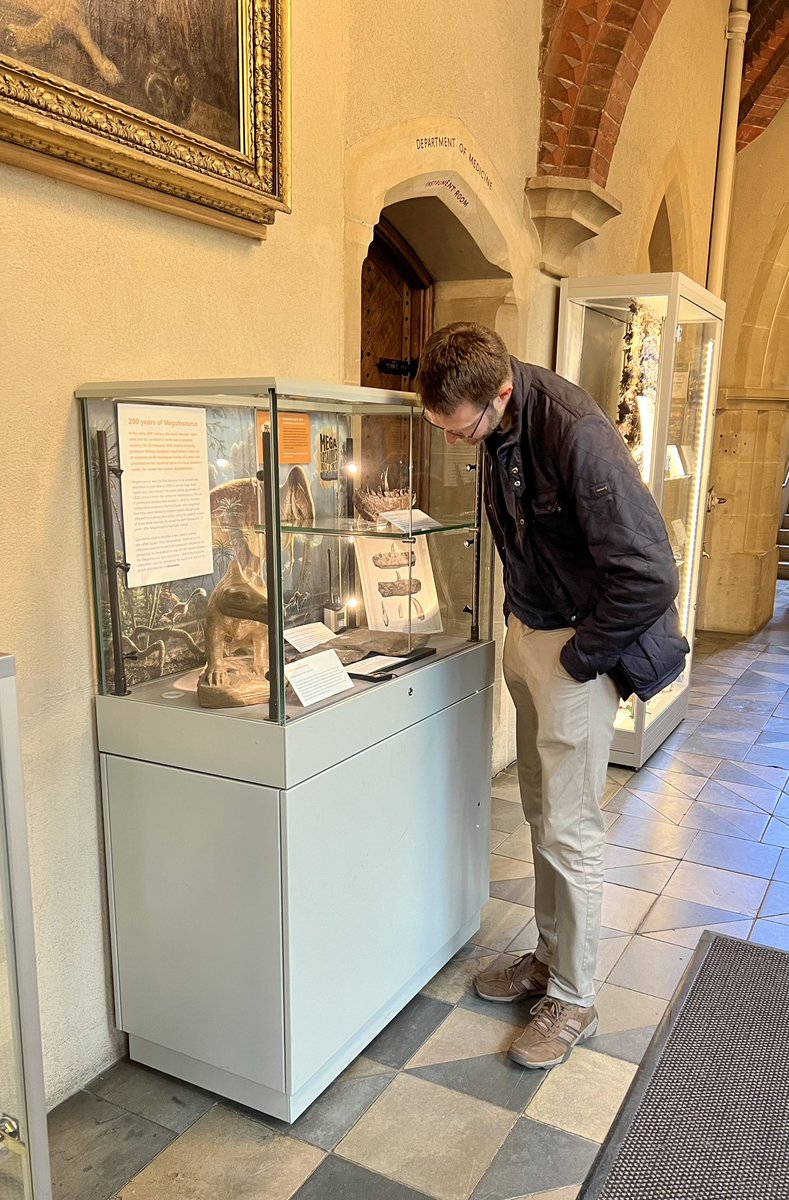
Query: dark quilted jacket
x=596, y=533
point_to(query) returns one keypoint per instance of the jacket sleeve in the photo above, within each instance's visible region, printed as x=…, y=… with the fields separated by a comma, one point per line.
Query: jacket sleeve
x=627, y=539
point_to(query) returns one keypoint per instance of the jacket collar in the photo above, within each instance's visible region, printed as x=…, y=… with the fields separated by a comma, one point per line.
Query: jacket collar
x=510, y=435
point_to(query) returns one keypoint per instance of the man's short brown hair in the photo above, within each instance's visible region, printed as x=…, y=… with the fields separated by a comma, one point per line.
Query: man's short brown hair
x=462, y=361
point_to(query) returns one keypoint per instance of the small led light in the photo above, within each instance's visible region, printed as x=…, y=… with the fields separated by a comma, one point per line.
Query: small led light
x=352, y=602
x=350, y=541
x=223, y=462
x=351, y=468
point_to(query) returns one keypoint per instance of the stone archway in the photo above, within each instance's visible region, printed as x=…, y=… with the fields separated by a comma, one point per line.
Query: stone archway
x=441, y=159
x=414, y=160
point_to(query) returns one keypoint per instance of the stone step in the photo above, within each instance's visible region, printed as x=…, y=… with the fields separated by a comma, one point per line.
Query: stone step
x=783, y=537
x=783, y=570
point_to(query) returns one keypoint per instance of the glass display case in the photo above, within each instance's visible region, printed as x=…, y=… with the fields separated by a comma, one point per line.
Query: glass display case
x=294, y=719
x=647, y=348
x=331, y=518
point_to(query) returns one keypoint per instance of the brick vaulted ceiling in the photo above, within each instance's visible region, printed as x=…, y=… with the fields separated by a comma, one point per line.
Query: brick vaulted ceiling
x=591, y=54
x=765, y=81
x=592, y=51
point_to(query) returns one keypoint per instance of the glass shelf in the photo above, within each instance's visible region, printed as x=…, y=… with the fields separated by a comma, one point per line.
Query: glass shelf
x=350, y=526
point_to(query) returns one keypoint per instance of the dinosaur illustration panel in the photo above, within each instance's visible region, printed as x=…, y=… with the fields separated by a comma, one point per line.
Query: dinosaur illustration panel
x=398, y=585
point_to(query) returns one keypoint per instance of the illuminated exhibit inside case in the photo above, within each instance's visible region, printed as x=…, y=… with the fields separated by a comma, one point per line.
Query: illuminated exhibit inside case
x=647, y=349
x=294, y=719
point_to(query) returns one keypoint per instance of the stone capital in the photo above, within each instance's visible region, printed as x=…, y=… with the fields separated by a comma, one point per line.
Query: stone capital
x=567, y=212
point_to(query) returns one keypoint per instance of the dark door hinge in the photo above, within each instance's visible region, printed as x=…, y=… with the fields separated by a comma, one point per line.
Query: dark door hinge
x=398, y=366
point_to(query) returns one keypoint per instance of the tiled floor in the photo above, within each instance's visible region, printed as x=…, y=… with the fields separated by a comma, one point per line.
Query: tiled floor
x=698, y=838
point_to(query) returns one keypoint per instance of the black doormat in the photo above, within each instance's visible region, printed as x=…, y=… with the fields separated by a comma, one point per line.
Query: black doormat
x=707, y=1114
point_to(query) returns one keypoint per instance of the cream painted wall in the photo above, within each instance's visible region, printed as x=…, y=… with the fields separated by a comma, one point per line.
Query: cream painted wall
x=98, y=288
x=670, y=131
x=758, y=262
x=474, y=60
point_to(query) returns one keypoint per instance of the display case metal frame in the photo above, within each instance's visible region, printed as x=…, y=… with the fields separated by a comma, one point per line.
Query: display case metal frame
x=632, y=747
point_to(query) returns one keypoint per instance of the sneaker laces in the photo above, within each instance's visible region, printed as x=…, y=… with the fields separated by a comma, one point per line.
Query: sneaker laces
x=511, y=971
x=547, y=1014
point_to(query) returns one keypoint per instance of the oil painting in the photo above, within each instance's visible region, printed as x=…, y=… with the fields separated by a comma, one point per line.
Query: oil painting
x=186, y=98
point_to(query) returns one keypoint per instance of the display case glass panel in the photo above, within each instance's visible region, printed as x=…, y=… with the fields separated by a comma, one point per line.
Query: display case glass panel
x=240, y=528
x=646, y=348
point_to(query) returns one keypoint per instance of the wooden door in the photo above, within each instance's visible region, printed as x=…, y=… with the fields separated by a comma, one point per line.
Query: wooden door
x=397, y=319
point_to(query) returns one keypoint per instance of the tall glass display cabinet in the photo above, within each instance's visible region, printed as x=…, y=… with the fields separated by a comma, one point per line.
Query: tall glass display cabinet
x=294, y=719
x=647, y=348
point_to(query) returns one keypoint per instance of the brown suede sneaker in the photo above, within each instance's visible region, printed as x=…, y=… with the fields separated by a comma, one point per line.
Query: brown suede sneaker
x=525, y=977
x=549, y=1037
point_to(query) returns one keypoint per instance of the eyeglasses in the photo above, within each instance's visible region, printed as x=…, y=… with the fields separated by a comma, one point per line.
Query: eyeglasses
x=465, y=437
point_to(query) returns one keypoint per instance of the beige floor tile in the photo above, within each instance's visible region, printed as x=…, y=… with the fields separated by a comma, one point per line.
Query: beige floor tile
x=496, y=838
x=453, y=981
x=509, y=868
x=690, y=937
x=465, y=1034
x=226, y=1154
x=501, y=922
x=525, y=941
x=428, y=1137
x=518, y=844
x=362, y=1066
x=620, y=1009
x=568, y=1193
x=609, y=953
x=624, y=908
x=583, y=1095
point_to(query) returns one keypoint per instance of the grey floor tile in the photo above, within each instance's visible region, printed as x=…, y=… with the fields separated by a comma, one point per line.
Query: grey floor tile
x=720, y=889
x=506, y=786
x=655, y=837
x=403, y=1036
x=755, y=774
x=767, y=755
x=782, y=870
x=698, y=744
x=95, y=1147
x=535, y=1158
x=771, y=933
x=652, y=967
x=491, y=1077
x=630, y=1044
x=338, y=1179
x=517, y=1013
x=518, y=891
x=669, y=913
x=776, y=833
x=732, y=822
x=729, y=734
x=504, y=815
x=651, y=877
x=776, y=902
x=149, y=1094
x=746, y=796
x=733, y=854
x=517, y=844
x=329, y=1118
x=732, y=704
x=649, y=806
x=686, y=764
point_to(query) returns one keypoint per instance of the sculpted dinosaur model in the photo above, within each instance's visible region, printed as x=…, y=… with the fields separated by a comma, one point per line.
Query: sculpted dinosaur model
x=236, y=616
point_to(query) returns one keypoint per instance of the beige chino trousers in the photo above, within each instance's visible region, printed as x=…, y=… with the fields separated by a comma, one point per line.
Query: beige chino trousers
x=564, y=731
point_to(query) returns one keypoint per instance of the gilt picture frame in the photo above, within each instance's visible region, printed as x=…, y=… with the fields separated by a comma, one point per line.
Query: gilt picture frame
x=182, y=105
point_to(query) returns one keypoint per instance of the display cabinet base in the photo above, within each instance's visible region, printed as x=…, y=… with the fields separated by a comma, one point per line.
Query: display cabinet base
x=632, y=747
x=280, y=1104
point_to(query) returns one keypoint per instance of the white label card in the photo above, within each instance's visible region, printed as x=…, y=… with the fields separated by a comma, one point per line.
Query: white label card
x=163, y=452
x=379, y=662
x=411, y=518
x=318, y=677
x=304, y=637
